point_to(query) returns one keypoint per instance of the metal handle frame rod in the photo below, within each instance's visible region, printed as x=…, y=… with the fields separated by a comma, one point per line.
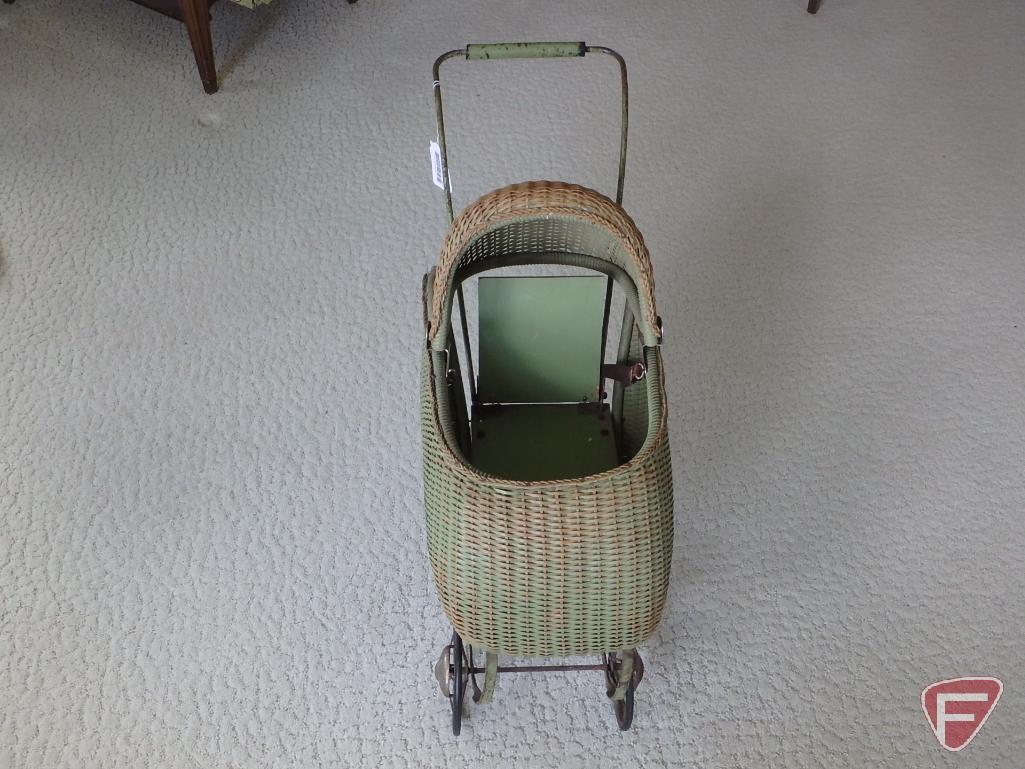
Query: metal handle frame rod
x=541, y=668
x=440, y=114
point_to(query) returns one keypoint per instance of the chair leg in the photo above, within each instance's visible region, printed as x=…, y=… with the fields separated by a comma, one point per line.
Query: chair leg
x=9, y=2
x=813, y=6
x=196, y=14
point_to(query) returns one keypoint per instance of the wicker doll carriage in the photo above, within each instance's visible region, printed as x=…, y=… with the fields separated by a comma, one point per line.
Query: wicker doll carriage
x=548, y=503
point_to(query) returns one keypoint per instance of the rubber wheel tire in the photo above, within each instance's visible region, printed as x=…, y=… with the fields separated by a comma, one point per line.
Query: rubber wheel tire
x=458, y=683
x=625, y=709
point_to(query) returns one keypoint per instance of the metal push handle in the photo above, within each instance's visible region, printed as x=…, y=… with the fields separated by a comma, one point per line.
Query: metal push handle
x=480, y=51
x=524, y=50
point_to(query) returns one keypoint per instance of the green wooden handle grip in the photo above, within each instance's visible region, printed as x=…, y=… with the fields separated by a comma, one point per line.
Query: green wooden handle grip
x=524, y=50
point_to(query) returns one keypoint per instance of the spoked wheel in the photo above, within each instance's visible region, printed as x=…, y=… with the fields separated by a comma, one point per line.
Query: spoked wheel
x=623, y=708
x=459, y=676
x=453, y=671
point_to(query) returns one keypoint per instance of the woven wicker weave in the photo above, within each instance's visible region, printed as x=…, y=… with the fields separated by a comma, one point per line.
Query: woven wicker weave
x=540, y=217
x=549, y=568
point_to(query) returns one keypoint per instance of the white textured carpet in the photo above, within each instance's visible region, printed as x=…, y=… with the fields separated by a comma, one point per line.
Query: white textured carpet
x=212, y=545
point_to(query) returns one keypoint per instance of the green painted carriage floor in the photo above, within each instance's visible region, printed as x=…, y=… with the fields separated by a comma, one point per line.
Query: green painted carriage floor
x=543, y=442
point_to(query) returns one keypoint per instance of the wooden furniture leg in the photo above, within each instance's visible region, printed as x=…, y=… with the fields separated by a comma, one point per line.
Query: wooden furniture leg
x=196, y=15
x=813, y=6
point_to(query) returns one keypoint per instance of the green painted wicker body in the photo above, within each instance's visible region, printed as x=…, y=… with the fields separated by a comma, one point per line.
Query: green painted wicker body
x=562, y=567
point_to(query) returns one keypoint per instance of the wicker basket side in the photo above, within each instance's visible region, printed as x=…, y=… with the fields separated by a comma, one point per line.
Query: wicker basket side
x=550, y=568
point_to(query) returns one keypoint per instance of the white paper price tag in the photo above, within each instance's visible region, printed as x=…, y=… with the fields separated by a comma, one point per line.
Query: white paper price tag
x=437, y=166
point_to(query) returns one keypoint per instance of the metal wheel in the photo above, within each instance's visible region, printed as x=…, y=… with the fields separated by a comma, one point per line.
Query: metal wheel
x=458, y=673
x=624, y=708
x=453, y=671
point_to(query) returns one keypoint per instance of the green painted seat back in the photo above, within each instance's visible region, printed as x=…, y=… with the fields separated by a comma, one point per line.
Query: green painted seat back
x=540, y=338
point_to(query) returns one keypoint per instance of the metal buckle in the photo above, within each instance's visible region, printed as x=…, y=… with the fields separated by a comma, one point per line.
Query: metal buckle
x=624, y=373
